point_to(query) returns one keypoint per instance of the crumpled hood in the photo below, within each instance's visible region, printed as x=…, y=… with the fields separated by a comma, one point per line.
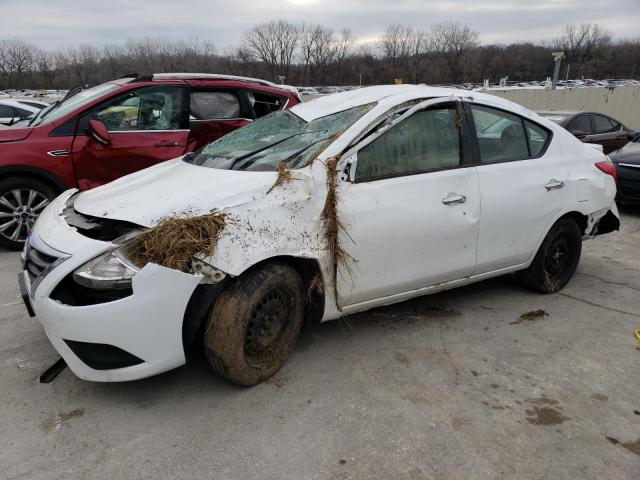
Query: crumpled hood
x=172, y=187
x=14, y=134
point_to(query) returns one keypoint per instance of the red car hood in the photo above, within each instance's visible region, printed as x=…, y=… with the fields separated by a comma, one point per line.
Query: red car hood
x=14, y=134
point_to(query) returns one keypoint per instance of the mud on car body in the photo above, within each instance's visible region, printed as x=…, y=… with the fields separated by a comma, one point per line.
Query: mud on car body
x=331, y=208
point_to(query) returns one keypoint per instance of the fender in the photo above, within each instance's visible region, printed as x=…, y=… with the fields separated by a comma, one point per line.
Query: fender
x=17, y=170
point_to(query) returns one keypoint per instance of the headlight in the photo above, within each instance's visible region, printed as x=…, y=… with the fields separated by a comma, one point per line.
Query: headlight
x=112, y=270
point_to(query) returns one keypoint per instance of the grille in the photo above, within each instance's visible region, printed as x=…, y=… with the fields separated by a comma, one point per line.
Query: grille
x=36, y=262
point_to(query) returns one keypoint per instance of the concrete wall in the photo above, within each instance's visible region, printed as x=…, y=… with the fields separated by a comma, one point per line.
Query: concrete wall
x=621, y=103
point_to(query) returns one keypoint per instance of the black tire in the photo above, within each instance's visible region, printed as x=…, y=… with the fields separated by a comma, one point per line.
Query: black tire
x=254, y=324
x=557, y=259
x=22, y=199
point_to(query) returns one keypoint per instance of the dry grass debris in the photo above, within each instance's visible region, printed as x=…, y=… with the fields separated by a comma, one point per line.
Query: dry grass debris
x=333, y=225
x=284, y=176
x=175, y=240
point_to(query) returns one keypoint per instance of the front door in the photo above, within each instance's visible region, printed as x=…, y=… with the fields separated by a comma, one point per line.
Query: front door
x=411, y=209
x=146, y=126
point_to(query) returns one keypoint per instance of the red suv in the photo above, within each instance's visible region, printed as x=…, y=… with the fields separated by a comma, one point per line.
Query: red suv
x=96, y=135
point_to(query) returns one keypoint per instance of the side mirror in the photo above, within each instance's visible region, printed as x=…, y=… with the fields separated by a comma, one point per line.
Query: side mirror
x=579, y=134
x=99, y=131
x=633, y=136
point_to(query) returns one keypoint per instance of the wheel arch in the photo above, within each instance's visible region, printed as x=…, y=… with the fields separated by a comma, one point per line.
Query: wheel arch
x=34, y=173
x=204, y=296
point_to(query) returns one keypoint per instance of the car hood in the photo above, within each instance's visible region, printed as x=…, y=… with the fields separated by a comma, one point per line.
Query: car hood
x=14, y=134
x=173, y=187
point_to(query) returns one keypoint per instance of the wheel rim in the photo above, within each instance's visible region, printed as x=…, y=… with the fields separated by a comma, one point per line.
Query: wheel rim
x=19, y=210
x=558, y=256
x=265, y=335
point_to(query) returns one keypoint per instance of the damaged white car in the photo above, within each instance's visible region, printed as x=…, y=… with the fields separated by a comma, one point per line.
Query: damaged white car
x=339, y=205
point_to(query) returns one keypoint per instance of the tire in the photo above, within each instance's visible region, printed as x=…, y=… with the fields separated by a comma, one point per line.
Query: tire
x=254, y=324
x=22, y=199
x=557, y=259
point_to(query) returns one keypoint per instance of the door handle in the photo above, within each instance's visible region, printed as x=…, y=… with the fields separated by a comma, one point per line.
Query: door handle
x=454, y=198
x=554, y=184
x=166, y=143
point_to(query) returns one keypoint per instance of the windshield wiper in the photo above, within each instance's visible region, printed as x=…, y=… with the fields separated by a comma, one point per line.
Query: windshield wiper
x=56, y=104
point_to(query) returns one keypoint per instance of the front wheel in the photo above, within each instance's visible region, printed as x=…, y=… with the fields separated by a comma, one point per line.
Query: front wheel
x=21, y=201
x=254, y=324
x=557, y=258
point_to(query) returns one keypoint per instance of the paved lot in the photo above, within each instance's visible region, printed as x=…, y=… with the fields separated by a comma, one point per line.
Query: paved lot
x=452, y=386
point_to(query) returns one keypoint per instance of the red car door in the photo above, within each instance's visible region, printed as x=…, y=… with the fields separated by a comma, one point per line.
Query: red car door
x=214, y=112
x=146, y=126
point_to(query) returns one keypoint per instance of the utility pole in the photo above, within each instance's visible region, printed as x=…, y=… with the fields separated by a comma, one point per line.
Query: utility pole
x=557, y=58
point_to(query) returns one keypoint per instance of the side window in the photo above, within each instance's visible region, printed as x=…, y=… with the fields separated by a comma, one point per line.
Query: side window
x=6, y=112
x=152, y=108
x=602, y=124
x=537, y=136
x=264, y=103
x=581, y=123
x=22, y=113
x=428, y=140
x=501, y=135
x=214, y=105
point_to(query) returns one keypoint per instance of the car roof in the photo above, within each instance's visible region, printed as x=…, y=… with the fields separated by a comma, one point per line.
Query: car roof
x=564, y=113
x=388, y=96
x=16, y=103
x=212, y=76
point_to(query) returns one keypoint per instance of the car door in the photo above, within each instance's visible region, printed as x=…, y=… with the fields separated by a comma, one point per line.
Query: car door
x=146, y=126
x=522, y=177
x=608, y=133
x=410, y=208
x=214, y=112
x=580, y=126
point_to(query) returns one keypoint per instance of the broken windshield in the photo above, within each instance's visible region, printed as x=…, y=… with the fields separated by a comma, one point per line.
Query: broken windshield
x=280, y=136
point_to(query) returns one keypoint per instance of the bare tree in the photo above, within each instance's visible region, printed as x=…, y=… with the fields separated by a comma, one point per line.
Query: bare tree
x=274, y=43
x=453, y=41
x=582, y=42
x=16, y=58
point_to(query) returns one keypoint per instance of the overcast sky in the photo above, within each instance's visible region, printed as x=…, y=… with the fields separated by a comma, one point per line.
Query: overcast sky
x=60, y=23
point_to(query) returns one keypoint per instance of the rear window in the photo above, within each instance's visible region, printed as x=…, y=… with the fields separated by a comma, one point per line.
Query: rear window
x=214, y=105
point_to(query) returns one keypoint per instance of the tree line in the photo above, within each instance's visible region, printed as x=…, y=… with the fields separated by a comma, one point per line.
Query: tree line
x=313, y=54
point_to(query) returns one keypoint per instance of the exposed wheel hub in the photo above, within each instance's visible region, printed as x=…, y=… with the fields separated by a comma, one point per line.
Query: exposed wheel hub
x=269, y=320
x=19, y=210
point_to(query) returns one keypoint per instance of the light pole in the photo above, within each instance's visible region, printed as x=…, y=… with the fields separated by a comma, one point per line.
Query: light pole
x=282, y=78
x=557, y=58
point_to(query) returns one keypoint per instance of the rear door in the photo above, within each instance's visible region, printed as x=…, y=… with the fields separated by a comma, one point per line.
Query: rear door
x=411, y=208
x=522, y=179
x=608, y=133
x=214, y=112
x=146, y=126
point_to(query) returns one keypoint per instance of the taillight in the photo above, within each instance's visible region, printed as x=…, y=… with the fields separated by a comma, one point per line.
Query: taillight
x=608, y=167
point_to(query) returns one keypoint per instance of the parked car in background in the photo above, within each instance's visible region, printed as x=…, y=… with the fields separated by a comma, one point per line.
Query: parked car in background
x=33, y=103
x=627, y=163
x=591, y=127
x=304, y=91
x=339, y=205
x=12, y=111
x=97, y=135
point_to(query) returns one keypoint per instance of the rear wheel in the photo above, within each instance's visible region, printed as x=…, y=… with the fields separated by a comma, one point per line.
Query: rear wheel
x=255, y=323
x=557, y=259
x=21, y=202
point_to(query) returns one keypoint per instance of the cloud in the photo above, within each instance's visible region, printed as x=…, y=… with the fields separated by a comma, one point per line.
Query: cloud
x=61, y=23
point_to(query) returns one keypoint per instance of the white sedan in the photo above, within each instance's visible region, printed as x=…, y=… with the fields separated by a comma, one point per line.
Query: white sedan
x=12, y=111
x=338, y=205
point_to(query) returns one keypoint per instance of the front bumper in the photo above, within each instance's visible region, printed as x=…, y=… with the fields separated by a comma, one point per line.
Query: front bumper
x=147, y=324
